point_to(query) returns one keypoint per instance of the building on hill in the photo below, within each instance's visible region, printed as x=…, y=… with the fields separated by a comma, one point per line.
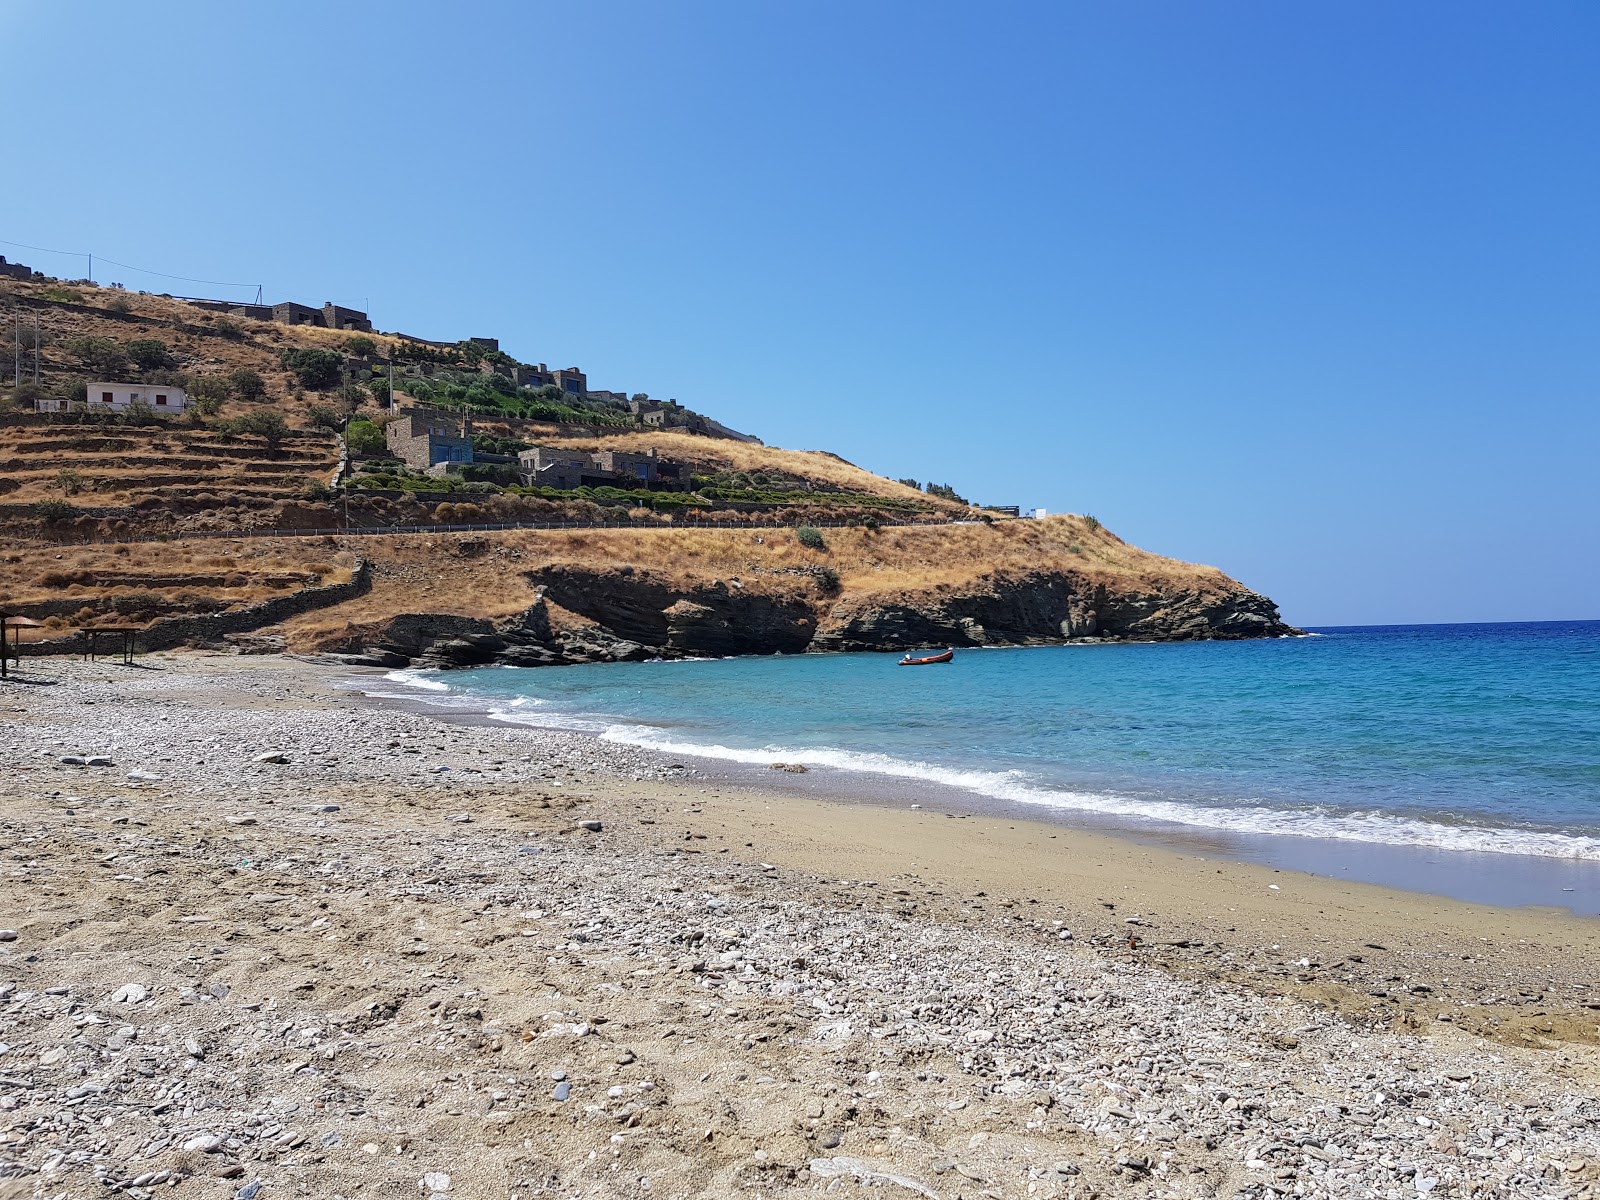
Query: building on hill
x=329, y=316
x=546, y=466
x=422, y=439
x=490, y=344
x=14, y=270
x=161, y=400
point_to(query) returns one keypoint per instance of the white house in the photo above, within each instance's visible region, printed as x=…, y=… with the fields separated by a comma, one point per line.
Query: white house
x=120, y=397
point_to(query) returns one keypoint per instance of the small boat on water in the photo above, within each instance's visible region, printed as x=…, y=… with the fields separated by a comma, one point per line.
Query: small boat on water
x=908, y=661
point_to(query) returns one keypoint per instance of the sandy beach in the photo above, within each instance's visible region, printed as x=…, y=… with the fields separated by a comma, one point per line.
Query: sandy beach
x=287, y=941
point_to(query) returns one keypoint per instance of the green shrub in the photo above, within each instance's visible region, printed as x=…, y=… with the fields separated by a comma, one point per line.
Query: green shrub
x=827, y=581
x=912, y=484
x=149, y=354
x=315, y=489
x=100, y=354
x=55, y=510
x=1091, y=523
x=363, y=437
x=317, y=370
x=209, y=392
x=228, y=328
x=810, y=536
x=70, y=482
x=268, y=426
x=324, y=417
x=361, y=346
x=944, y=491
x=248, y=384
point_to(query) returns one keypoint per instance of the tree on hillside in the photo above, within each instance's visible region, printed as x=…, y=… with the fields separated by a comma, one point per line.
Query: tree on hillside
x=317, y=370
x=268, y=426
x=150, y=354
x=361, y=346
x=209, y=392
x=248, y=384
x=324, y=417
x=363, y=437
x=352, y=396
x=102, y=355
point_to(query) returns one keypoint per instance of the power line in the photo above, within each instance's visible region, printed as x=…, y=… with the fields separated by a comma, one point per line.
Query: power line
x=129, y=267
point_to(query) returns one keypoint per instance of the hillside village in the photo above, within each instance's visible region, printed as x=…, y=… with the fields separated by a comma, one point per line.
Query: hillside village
x=278, y=433
x=400, y=416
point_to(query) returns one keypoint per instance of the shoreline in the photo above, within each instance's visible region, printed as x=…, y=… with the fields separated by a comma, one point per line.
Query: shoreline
x=1498, y=880
x=299, y=937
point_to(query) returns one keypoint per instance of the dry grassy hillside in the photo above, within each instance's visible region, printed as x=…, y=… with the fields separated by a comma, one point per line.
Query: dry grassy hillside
x=483, y=575
x=71, y=588
x=716, y=454
x=99, y=466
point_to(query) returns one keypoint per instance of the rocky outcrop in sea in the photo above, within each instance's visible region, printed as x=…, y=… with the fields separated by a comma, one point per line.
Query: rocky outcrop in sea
x=631, y=615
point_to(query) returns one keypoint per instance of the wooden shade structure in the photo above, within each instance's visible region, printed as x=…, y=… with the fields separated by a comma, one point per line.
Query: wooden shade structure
x=11, y=627
x=127, y=633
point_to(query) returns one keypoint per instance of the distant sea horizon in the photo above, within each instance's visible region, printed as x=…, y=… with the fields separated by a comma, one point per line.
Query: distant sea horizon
x=1457, y=747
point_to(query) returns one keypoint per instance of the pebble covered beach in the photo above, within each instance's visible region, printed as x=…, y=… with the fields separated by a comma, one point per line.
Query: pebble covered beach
x=261, y=938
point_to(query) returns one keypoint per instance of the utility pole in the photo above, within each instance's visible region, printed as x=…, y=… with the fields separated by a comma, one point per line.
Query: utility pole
x=391, y=383
x=91, y=268
x=16, y=339
x=35, y=347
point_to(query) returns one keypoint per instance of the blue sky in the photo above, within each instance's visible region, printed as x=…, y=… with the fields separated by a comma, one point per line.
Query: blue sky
x=1306, y=291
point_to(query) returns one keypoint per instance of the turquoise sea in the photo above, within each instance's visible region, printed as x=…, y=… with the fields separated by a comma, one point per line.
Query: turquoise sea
x=1479, y=740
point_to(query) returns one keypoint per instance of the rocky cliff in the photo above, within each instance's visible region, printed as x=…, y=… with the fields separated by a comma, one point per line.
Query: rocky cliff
x=629, y=614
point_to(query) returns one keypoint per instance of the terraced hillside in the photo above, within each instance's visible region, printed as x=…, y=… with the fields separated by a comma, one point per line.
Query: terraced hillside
x=108, y=466
x=67, y=588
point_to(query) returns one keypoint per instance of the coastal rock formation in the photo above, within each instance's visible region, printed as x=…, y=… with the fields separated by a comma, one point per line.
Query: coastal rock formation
x=1048, y=607
x=638, y=614
x=714, y=618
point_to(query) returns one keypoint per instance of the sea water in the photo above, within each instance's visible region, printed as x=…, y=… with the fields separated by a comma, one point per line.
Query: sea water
x=1477, y=739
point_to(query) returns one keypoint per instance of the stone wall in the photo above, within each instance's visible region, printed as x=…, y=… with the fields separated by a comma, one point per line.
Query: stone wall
x=169, y=632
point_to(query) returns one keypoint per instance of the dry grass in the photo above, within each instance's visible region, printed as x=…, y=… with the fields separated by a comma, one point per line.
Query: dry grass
x=184, y=576
x=900, y=559
x=485, y=575
x=120, y=464
x=717, y=454
x=431, y=573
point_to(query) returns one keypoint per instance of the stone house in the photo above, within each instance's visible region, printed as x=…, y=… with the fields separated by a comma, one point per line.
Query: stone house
x=545, y=466
x=423, y=439
x=14, y=270
x=329, y=316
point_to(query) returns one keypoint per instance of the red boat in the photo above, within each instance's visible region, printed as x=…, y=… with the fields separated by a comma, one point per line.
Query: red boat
x=908, y=661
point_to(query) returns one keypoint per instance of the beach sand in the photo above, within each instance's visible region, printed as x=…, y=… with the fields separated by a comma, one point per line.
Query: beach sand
x=398, y=956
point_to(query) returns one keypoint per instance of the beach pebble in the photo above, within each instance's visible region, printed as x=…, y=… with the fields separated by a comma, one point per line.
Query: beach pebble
x=561, y=1091
x=591, y=825
x=272, y=757
x=130, y=993
x=8, y=935
x=434, y=1181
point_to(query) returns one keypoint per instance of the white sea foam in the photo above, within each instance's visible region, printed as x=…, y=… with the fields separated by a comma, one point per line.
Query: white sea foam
x=1374, y=827
x=1371, y=827
x=419, y=679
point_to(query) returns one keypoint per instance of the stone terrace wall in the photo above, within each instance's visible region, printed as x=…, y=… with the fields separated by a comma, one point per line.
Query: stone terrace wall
x=168, y=632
